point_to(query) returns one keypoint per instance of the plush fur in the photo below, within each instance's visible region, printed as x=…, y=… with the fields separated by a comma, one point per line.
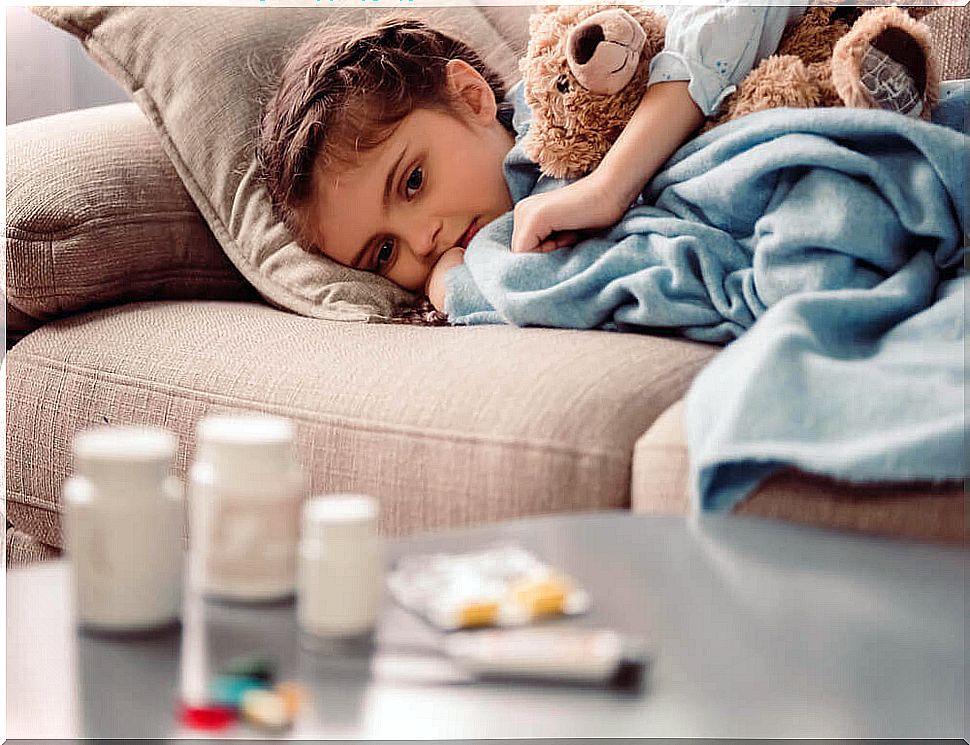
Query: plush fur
x=572, y=130
x=585, y=71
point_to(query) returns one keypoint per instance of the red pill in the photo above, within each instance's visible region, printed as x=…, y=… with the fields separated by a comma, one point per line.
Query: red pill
x=209, y=718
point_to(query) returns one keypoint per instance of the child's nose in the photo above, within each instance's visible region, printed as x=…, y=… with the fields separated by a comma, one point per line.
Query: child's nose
x=424, y=236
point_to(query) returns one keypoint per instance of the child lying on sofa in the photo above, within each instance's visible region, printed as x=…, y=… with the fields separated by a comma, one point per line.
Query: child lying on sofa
x=384, y=148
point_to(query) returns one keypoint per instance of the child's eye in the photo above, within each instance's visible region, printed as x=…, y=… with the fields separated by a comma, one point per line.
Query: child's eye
x=385, y=253
x=414, y=182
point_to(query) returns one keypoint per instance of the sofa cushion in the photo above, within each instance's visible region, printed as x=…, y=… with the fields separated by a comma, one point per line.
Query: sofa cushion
x=659, y=485
x=95, y=215
x=200, y=74
x=447, y=426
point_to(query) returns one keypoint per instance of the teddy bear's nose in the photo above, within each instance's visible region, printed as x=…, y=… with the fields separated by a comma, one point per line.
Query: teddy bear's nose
x=586, y=41
x=604, y=50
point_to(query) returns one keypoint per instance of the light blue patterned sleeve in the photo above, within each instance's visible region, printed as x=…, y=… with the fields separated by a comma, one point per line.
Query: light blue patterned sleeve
x=714, y=47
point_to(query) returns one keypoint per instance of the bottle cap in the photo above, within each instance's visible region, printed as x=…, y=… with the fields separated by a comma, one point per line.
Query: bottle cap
x=123, y=449
x=139, y=444
x=340, y=516
x=118, y=458
x=245, y=446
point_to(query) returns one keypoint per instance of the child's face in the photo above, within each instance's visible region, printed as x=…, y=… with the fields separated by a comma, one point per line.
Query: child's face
x=429, y=187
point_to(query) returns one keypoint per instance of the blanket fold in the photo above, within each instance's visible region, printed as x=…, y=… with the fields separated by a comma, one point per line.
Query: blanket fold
x=833, y=240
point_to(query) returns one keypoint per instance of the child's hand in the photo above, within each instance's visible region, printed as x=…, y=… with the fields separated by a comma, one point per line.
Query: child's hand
x=434, y=287
x=545, y=222
x=665, y=118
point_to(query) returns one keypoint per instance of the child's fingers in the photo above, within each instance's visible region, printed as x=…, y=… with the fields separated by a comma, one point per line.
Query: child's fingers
x=525, y=239
x=531, y=225
x=558, y=240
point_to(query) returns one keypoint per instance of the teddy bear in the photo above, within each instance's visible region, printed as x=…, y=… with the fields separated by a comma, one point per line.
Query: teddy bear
x=587, y=66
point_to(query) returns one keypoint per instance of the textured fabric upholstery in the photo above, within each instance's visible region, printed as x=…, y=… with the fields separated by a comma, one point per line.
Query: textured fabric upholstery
x=447, y=426
x=922, y=511
x=22, y=549
x=951, y=36
x=96, y=214
x=658, y=481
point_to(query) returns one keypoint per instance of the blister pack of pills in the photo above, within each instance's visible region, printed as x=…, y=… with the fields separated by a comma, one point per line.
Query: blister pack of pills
x=498, y=586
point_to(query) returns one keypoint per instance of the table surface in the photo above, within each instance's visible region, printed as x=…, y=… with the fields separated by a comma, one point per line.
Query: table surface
x=759, y=629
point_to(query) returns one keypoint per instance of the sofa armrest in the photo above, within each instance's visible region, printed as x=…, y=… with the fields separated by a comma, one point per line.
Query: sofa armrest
x=658, y=480
x=97, y=215
x=922, y=511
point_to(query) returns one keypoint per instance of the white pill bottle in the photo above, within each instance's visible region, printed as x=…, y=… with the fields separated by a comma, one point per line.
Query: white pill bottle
x=341, y=568
x=123, y=520
x=245, y=489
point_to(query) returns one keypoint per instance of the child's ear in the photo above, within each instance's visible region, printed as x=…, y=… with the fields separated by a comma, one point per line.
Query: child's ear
x=469, y=87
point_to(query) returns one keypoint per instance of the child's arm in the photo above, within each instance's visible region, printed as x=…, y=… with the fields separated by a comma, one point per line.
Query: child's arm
x=708, y=50
x=663, y=121
x=435, y=286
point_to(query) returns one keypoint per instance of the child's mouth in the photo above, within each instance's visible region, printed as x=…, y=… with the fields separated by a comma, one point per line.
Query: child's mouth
x=467, y=236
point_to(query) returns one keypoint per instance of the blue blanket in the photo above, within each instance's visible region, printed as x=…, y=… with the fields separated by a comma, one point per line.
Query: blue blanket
x=833, y=240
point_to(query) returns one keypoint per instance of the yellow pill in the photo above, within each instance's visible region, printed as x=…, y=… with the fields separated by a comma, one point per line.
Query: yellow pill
x=543, y=597
x=265, y=710
x=478, y=614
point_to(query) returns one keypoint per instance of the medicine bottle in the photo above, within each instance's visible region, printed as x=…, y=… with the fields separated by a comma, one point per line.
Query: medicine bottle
x=341, y=567
x=123, y=521
x=245, y=490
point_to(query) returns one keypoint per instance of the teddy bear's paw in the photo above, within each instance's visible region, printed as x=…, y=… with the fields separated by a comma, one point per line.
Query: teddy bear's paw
x=887, y=62
x=889, y=84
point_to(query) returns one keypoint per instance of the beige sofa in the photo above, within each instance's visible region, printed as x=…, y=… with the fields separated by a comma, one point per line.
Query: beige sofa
x=447, y=426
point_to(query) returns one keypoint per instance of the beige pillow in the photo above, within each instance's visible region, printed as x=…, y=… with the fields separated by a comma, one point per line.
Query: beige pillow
x=96, y=215
x=200, y=75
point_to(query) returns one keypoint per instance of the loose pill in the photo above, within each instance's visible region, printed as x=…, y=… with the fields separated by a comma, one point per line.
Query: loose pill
x=228, y=690
x=477, y=614
x=265, y=710
x=208, y=718
x=543, y=597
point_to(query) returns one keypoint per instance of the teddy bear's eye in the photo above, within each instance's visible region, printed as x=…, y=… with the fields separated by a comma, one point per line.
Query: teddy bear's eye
x=562, y=84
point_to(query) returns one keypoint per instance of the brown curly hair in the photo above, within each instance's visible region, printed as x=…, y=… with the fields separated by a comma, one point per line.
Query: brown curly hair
x=342, y=92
